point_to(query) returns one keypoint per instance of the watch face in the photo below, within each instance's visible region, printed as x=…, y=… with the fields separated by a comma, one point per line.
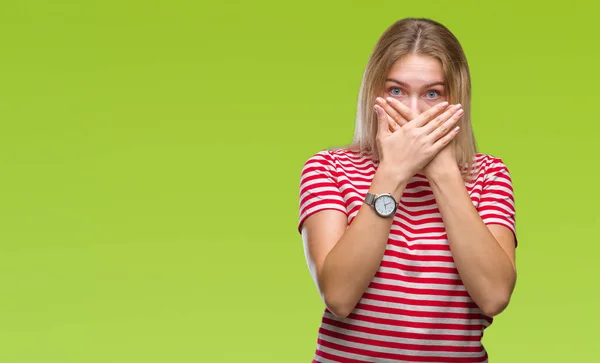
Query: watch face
x=385, y=205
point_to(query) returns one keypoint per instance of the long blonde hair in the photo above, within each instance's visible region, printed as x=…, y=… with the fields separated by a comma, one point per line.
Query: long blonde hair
x=423, y=37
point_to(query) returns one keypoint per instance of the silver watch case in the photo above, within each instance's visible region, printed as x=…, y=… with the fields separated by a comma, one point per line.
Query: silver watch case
x=384, y=204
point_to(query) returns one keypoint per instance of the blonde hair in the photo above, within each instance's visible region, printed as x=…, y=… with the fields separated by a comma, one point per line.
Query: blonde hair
x=423, y=37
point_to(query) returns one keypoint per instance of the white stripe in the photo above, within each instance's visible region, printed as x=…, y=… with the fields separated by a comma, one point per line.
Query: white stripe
x=314, y=193
x=413, y=263
x=420, y=285
x=436, y=252
x=502, y=206
x=419, y=353
x=319, y=207
x=345, y=355
x=433, y=238
x=419, y=297
x=460, y=332
x=388, y=338
x=437, y=275
x=415, y=308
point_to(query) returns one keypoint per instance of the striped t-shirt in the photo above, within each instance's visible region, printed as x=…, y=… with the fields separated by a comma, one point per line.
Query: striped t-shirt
x=416, y=308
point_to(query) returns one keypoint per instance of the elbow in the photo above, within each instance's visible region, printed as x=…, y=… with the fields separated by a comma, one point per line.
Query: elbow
x=497, y=299
x=338, y=302
x=338, y=306
x=495, y=306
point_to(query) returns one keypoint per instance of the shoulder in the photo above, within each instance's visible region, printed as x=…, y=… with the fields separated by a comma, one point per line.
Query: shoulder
x=334, y=157
x=487, y=166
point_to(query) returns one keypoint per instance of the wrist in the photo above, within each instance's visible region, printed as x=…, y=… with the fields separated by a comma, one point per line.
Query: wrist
x=444, y=175
x=386, y=181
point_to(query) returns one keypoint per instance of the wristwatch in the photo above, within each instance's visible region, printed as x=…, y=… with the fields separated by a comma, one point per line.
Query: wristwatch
x=384, y=204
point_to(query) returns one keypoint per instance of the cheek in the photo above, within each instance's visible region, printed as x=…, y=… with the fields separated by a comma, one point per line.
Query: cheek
x=427, y=104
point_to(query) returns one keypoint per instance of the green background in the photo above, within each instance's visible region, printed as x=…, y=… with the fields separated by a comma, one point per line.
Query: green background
x=150, y=155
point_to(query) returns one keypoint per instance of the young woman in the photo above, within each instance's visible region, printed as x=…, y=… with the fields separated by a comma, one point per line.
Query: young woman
x=409, y=232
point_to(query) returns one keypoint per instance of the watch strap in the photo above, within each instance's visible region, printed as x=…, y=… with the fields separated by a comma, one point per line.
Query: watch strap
x=370, y=198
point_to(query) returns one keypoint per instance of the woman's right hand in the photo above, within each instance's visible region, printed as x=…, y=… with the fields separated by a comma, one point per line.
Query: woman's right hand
x=406, y=149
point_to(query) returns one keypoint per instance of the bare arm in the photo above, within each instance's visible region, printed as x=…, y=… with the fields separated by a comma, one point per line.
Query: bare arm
x=343, y=261
x=484, y=255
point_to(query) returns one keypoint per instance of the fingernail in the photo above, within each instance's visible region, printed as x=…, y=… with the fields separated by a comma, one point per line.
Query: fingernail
x=379, y=99
x=444, y=104
x=376, y=110
x=389, y=99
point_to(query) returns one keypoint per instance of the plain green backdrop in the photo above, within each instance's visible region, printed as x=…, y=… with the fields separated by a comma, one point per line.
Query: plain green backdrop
x=150, y=154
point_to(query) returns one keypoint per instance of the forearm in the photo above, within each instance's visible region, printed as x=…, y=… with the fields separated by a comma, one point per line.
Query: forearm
x=351, y=264
x=484, y=267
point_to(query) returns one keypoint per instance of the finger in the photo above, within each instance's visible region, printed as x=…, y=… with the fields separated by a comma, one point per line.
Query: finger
x=446, y=139
x=383, y=126
x=398, y=117
x=402, y=109
x=393, y=124
x=440, y=125
x=428, y=115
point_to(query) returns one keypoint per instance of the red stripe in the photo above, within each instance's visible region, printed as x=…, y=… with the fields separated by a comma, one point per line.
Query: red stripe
x=424, y=303
x=409, y=324
x=318, y=202
x=421, y=247
x=489, y=203
x=417, y=280
x=420, y=258
x=418, y=291
x=418, y=222
x=435, y=269
x=320, y=184
x=440, y=231
x=417, y=212
x=419, y=314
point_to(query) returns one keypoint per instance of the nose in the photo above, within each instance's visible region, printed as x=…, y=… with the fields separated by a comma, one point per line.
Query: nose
x=414, y=105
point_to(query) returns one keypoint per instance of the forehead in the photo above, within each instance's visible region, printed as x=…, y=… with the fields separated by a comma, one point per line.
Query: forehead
x=417, y=69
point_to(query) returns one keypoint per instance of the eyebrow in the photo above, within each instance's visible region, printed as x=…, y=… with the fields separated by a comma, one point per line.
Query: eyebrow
x=439, y=83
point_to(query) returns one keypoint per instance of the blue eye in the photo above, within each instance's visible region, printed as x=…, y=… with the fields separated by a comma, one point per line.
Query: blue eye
x=395, y=93
x=433, y=94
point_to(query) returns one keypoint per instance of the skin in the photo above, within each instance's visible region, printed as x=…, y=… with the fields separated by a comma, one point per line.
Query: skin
x=416, y=130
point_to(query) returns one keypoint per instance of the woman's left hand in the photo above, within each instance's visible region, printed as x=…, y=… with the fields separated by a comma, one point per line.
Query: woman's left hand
x=445, y=160
x=442, y=162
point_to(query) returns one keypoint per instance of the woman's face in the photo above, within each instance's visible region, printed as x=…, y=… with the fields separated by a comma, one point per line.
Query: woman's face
x=417, y=81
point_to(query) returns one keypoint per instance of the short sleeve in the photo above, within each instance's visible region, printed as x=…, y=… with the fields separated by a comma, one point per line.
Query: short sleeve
x=497, y=204
x=319, y=188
